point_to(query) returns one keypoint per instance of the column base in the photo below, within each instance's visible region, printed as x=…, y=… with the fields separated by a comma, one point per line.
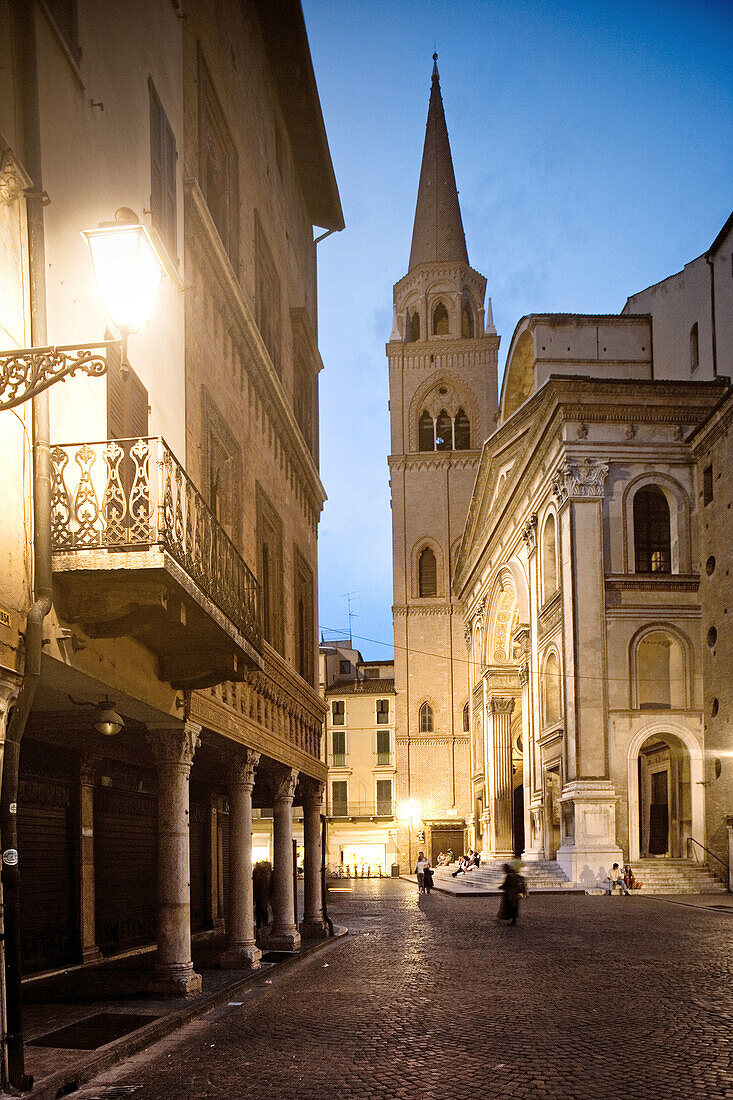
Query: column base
x=589, y=849
x=284, y=941
x=166, y=984
x=91, y=955
x=314, y=929
x=240, y=957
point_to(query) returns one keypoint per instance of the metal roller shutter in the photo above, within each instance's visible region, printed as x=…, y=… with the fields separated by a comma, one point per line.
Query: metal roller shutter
x=126, y=865
x=224, y=849
x=48, y=879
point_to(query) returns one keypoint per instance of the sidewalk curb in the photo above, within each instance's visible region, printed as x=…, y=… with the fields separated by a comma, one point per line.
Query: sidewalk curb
x=92, y=1063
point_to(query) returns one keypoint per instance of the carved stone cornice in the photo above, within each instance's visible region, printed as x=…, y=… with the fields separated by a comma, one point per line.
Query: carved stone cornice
x=285, y=792
x=580, y=479
x=426, y=460
x=174, y=745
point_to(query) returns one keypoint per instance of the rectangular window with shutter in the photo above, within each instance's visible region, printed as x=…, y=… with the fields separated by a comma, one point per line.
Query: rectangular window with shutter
x=338, y=739
x=383, y=753
x=270, y=555
x=127, y=400
x=218, y=175
x=384, y=797
x=339, y=798
x=382, y=712
x=163, y=157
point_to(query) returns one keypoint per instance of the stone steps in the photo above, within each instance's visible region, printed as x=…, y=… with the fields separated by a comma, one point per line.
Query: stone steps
x=668, y=876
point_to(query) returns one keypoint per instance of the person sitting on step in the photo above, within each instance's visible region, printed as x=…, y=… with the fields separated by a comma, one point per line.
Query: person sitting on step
x=616, y=878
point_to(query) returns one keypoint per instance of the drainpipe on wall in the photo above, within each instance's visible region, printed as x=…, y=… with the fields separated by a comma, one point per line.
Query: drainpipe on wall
x=42, y=578
x=714, y=343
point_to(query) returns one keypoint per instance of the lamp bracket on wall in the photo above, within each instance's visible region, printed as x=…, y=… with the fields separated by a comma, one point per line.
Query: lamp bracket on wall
x=26, y=372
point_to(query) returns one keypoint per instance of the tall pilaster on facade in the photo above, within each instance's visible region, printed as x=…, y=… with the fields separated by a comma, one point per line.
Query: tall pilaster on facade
x=284, y=935
x=88, y=778
x=174, y=750
x=501, y=709
x=242, y=950
x=443, y=398
x=313, y=925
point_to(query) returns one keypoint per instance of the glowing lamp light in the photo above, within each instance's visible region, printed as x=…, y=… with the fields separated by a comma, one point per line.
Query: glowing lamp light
x=127, y=268
x=106, y=719
x=409, y=811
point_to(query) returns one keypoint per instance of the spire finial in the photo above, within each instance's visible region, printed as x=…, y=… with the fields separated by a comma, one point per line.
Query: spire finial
x=436, y=74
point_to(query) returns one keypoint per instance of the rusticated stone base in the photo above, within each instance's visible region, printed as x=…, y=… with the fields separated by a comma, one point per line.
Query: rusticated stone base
x=240, y=957
x=314, y=929
x=284, y=941
x=176, y=985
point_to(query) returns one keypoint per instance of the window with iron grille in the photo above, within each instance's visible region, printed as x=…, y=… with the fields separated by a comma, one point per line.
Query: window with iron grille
x=338, y=712
x=305, y=636
x=382, y=711
x=163, y=157
x=426, y=718
x=707, y=485
x=344, y=667
x=268, y=299
x=427, y=573
x=383, y=749
x=338, y=748
x=270, y=562
x=652, y=543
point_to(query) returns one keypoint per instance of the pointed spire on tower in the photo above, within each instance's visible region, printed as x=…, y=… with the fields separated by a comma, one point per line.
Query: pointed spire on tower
x=438, y=230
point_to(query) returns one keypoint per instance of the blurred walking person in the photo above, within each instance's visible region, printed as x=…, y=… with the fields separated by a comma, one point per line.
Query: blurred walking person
x=513, y=888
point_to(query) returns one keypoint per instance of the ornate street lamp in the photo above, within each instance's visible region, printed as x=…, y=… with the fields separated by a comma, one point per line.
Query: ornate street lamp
x=128, y=271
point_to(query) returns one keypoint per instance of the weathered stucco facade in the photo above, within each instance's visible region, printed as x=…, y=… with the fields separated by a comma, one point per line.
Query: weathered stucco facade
x=185, y=486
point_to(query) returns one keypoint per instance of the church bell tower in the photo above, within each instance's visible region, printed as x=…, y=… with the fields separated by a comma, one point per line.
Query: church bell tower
x=442, y=355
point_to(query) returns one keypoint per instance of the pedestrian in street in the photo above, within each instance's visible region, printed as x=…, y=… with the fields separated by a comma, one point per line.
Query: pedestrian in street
x=262, y=890
x=420, y=866
x=513, y=888
x=428, y=878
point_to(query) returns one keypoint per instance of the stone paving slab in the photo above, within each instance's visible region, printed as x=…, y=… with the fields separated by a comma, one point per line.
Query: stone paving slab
x=430, y=998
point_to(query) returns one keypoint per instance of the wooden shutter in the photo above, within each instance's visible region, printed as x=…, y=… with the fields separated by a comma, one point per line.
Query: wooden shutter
x=127, y=402
x=169, y=197
x=200, y=855
x=157, y=133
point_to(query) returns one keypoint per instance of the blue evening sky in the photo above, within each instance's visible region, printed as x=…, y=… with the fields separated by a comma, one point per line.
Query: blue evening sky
x=593, y=151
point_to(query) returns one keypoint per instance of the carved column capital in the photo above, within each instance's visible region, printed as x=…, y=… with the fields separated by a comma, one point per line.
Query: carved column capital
x=580, y=480
x=501, y=704
x=89, y=770
x=524, y=674
x=285, y=792
x=9, y=689
x=175, y=745
x=529, y=533
x=242, y=767
x=468, y=635
x=13, y=178
x=313, y=793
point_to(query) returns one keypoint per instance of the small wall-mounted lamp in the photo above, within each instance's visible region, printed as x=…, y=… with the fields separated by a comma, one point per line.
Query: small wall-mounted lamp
x=105, y=718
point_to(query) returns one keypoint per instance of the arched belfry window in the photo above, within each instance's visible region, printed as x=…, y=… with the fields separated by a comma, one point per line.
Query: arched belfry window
x=444, y=432
x=426, y=433
x=467, y=322
x=413, y=326
x=427, y=573
x=427, y=722
x=652, y=542
x=440, y=320
x=462, y=431
x=466, y=719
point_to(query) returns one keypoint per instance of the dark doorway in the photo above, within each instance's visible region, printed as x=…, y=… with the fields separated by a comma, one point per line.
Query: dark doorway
x=443, y=839
x=659, y=815
x=518, y=819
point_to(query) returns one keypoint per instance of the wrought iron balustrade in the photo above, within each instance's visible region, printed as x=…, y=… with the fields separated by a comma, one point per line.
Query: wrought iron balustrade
x=134, y=495
x=380, y=808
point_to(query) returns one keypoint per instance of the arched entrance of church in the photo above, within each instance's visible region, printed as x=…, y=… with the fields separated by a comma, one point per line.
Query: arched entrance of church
x=664, y=796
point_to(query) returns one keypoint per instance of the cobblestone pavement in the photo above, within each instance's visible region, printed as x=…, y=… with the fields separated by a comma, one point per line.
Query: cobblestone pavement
x=588, y=997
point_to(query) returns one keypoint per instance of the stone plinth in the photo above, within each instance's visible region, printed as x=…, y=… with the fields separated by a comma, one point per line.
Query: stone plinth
x=589, y=847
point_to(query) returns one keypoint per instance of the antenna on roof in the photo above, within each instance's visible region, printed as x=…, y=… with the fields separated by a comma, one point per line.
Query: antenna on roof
x=352, y=614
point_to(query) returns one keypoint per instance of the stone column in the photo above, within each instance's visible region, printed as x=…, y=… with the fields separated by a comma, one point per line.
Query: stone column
x=729, y=826
x=284, y=936
x=173, y=750
x=242, y=950
x=313, y=925
x=88, y=776
x=501, y=786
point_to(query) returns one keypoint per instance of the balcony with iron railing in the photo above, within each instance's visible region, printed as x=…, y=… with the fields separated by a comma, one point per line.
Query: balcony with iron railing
x=137, y=552
x=365, y=810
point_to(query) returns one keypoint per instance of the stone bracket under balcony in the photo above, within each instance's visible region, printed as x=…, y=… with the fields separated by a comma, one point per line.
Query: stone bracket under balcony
x=137, y=553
